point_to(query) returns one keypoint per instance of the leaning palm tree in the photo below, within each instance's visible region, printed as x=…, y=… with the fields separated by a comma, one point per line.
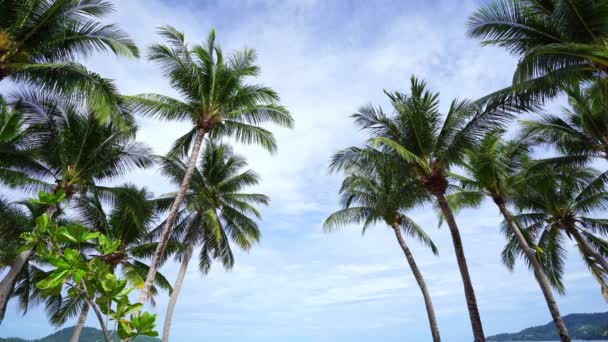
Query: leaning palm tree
x=216, y=213
x=580, y=133
x=374, y=190
x=565, y=207
x=73, y=153
x=216, y=101
x=430, y=145
x=558, y=42
x=41, y=40
x=494, y=170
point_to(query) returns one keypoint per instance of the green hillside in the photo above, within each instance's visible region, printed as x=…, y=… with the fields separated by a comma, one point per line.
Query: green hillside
x=593, y=326
x=88, y=335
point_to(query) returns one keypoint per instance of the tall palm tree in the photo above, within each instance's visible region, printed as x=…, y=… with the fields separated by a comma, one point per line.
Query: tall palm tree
x=494, y=169
x=216, y=212
x=216, y=101
x=41, y=40
x=563, y=207
x=430, y=145
x=558, y=42
x=74, y=152
x=580, y=133
x=129, y=221
x=374, y=190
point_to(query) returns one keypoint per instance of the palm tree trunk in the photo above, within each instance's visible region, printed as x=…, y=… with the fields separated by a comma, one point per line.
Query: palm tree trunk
x=175, y=293
x=179, y=198
x=420, y=280
x=469, y=292
x=589, y=249
x=8, y=282
x=541, y=278
x=80, y=324
x=102, y=324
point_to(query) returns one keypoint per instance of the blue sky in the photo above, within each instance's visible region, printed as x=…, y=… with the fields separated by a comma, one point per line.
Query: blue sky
x=327, y=58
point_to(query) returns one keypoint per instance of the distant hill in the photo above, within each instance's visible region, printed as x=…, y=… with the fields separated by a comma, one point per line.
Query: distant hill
x=593, y=326
x=87, y=335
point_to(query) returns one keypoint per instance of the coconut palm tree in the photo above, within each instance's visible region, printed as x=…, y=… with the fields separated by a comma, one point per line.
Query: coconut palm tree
x=580, y=133
x=41, y=40
x=374, y=190
x=216, y=101
x=74, y=152
x=494, y=170
x=553, y=209
x=558, y=42
x=430, y=145
x=216, y=212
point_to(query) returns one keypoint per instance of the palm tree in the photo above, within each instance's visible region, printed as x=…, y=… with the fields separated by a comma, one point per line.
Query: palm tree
x=494, y=168
x=580, y=134
x=562, y=207
x=374, y=191
x=215, y=213
x=40, y=41
x=217, y=101
x=429, y=145
x=129, y=221
x=558, y=42
x=73, y=153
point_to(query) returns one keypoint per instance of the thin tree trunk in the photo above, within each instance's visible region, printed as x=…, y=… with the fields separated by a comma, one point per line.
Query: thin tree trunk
x=540, y=275
x=469, y=292
x=420, y=280
x=587, y=247
x=102, y=324
x=8, y=282
x=80, y=324
x=179, y=198
x=175, y=293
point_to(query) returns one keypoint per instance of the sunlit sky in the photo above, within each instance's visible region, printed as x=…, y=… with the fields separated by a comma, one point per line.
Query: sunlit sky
x=325, y=59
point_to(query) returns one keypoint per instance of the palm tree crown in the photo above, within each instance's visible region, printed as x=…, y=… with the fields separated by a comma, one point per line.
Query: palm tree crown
x=557, y=41
x=563, y=207
x=42, y=40
x=216, y=211
x=580, y=133
x=216, y=97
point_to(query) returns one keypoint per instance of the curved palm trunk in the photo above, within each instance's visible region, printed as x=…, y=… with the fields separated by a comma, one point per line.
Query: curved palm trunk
x=589, y=249
x=420, y=280
x=179, y=198
x=469, y=292
x=8, y=282
x=541, y=278
x=80, y=324
x=175, y=293
x=102, y=324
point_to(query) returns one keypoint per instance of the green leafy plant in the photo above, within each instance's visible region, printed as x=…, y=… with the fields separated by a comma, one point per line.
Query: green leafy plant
x=87, y=276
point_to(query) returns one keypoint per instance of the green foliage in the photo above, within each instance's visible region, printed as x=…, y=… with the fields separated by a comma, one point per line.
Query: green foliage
x=217, y=97
x=217, y=210
x=558, y=42
x=90, y=278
